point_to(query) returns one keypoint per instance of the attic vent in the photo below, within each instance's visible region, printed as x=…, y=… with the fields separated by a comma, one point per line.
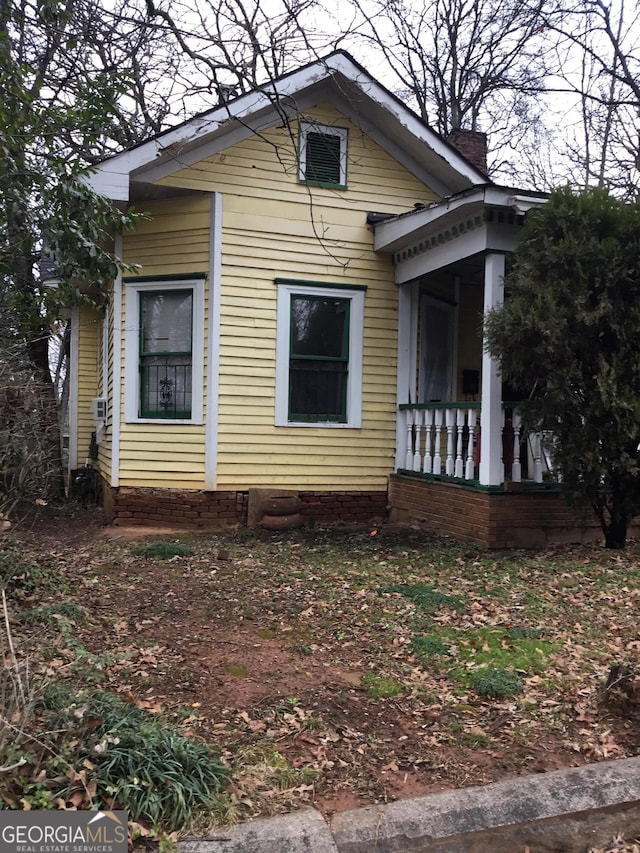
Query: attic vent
x=323, y=155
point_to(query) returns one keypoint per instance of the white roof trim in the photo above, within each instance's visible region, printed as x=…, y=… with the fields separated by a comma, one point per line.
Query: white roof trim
x=171, y=151
x=393, y=234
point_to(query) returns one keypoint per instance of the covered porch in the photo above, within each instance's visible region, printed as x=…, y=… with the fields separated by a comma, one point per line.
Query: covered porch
x=464, y=465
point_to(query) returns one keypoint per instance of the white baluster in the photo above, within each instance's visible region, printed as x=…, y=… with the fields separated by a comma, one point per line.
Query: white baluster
x=471, y=424
x=537, y=457
x=409, y=454
x=516, y=467
x=450, y=415
x=427, y=465
x=417, y=438
x=437, y=458
x=459, y=469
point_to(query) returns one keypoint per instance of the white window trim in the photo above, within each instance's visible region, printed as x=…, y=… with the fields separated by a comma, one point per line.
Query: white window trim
x=131, y=349
x=356, y=333
x=313, y=127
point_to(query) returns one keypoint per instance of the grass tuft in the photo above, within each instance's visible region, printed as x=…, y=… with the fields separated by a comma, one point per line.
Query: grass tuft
x=423, y=595
x=429, y=647
x=495, y=683
x=381, y=686
x=162, y=550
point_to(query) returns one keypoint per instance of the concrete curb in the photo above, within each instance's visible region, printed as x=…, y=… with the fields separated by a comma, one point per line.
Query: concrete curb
x=561, y=812
x=305, y=831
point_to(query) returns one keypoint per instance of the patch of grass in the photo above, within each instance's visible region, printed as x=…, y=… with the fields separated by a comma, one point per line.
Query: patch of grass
x=495, y=683
x=423, y=595
x=19, y=577
x=237, y=670
x=429, y=647
x=263, y=761
x=162, y=550
x=521, y=632
x=63, y=614
x=490, y=646
x=381, y=686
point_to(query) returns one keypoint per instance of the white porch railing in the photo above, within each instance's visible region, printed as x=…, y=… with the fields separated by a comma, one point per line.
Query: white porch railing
x=443, y=439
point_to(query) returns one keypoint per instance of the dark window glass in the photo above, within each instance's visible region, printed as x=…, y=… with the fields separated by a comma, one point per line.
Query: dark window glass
x=319, y=359
x=166, y=323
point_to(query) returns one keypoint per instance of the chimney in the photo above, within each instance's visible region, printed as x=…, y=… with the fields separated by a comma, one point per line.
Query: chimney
x=472, y=144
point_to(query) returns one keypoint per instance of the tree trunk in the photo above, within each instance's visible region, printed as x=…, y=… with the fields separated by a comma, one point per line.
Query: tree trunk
x=615, y=530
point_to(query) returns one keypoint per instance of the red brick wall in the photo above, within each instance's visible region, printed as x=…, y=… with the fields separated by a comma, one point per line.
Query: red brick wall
x=193, y=510
x=493, y=519
x=344, y=506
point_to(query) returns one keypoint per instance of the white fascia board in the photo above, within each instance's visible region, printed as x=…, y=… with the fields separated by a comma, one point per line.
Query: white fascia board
x=171, y=151
x=207, y=147
x=394, y=234
x=407, y=119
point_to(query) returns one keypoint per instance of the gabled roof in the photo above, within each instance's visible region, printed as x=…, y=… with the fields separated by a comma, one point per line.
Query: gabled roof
x=337, y=79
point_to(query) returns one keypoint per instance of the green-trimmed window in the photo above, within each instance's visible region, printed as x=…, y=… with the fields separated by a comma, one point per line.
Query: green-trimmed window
x=319, y=359
x=166, y=353
x=323, y=155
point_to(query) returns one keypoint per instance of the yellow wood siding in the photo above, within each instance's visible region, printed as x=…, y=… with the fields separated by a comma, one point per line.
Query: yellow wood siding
x=105, y=449
x=88, y=377
x=173, y=240
x=274, y=226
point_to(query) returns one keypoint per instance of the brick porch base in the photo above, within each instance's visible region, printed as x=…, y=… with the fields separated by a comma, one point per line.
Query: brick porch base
x=494, y=519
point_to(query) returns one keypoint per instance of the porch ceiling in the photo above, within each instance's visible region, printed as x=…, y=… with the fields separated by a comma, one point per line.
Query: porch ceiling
x=457, y=230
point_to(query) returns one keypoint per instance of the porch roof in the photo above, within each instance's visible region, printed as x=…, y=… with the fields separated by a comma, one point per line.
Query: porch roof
x=483, y=218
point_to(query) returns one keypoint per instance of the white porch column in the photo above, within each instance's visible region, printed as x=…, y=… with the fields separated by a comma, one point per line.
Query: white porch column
x=491, y=468
x=407, y=344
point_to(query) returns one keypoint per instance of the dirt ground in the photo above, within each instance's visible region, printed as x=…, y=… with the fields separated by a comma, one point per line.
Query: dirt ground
x=257, y=644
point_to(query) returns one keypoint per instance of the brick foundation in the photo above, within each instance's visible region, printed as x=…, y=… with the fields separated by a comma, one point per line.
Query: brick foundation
x=202, y=510
x=524, y=519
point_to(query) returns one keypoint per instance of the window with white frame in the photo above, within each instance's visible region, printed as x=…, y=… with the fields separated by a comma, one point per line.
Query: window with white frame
x=323, y=155
x=319, y=354
x=164, y=349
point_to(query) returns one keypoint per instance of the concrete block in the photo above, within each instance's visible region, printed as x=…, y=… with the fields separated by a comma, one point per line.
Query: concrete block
x=305, y=831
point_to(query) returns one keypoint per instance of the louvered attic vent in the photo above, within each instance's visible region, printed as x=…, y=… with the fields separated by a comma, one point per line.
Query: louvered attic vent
x=323, y=158
x=323, y=155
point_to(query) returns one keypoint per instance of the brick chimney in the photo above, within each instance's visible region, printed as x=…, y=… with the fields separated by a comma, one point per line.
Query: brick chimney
x=472, y=144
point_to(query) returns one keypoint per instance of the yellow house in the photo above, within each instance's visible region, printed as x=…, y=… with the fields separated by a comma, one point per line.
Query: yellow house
x=305, y=316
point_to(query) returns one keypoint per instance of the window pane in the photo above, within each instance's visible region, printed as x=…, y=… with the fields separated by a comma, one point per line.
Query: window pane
x=166, y=386
x=319, y=327
x=318, y=390
x=322, y=157
x=166, y=320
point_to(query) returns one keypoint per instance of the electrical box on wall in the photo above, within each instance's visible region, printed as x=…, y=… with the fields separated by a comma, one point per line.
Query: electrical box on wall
x=99, y=408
